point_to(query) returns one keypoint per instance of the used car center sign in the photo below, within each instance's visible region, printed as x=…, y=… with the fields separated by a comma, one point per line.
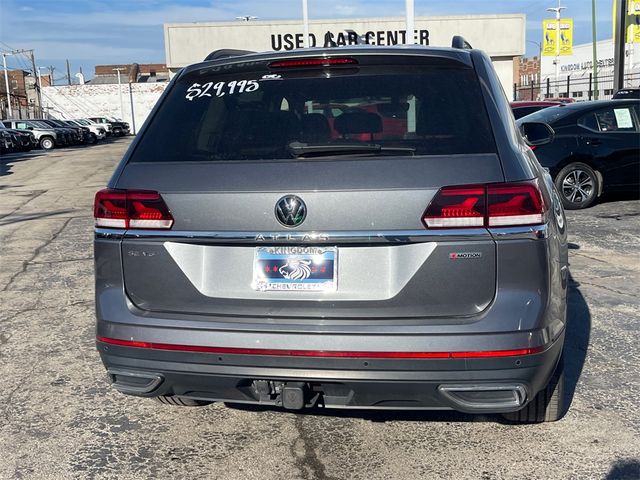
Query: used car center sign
x=290, y=41
x=501, y=36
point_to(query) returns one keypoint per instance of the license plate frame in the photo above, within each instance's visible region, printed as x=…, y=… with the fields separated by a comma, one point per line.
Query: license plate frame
x=295, y=269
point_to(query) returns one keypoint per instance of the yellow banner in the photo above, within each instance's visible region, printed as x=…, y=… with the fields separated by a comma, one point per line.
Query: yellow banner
x=632, y=21
x=566, y=36
x=633, y=31
x=554, y=44
x=549, y=38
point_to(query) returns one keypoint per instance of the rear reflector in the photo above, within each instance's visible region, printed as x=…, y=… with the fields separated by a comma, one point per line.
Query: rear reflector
x=317, y=353
x=131, y=209
x=313, y=62
x=494, y=205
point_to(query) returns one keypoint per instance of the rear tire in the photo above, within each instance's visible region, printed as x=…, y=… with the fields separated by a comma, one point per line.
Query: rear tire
x=578, y=185
x=181, y=402
x=548, y=405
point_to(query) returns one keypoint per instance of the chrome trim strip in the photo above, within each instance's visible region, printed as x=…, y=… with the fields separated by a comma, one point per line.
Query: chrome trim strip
x=357, y=236
x=267, y=238
x=530, y=232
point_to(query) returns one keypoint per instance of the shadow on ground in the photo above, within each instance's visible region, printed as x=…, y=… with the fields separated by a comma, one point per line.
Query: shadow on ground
x=8, y=160
x=628, y=469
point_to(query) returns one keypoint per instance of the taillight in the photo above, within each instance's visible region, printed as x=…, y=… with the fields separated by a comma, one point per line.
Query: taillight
x=457, y=207
x=514, y=204
x=494, y=205
x=131, y=209
x=313, y=62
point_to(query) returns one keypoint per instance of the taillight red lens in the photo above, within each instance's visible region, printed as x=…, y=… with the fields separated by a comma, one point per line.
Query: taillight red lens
x=515, y=204
x=131, y=209
x=456, y=207
x=494, y=205
x=313, y=62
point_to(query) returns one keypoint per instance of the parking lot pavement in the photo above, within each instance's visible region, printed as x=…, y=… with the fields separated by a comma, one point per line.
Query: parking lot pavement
x=59, y=419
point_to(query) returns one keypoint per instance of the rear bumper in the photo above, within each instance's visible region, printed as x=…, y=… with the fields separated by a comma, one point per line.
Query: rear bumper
x=472, y=385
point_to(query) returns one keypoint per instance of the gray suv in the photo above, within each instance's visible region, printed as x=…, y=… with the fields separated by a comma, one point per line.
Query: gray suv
x=48, y=137
x=358, y=227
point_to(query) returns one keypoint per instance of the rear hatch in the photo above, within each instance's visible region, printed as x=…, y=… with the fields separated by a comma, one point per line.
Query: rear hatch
x=235, y=154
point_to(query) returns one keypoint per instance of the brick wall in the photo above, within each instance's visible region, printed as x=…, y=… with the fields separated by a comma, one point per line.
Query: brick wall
x=73, y=101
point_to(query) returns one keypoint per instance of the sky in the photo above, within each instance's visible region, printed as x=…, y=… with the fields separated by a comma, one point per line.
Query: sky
x=93, y=32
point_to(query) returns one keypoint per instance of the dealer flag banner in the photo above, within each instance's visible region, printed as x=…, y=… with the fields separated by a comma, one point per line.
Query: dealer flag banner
x=632, y=21
x=554, y=44
x=566, y=36
x=549, y=38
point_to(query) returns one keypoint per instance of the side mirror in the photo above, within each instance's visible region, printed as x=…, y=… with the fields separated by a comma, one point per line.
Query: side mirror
x=537, y=133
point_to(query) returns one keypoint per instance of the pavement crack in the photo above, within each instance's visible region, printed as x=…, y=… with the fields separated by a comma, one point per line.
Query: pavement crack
x=305, y=455
x=613, y=290
x=35, y=195
x=66, y=260
x=590, y=257
x=36, y=252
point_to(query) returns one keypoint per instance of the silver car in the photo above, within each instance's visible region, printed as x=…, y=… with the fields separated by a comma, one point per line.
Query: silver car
x=358, y=227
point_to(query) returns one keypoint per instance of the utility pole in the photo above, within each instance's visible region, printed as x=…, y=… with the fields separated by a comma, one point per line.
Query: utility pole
x=409, y=14
x=119, y=69
x=68, y=73
x=51, y=69
x=595, y=50
x=38, y=85
x=6, y=81
x=620, y=23
x=6, y=76
x=305, y=23
x=557, y=11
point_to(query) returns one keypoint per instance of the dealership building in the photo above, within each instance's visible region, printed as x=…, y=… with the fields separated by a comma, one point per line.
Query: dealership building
x=501, y=36
x=575, y=70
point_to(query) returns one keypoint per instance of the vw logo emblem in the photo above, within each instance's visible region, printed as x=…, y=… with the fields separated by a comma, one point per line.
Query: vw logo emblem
x=291, y=211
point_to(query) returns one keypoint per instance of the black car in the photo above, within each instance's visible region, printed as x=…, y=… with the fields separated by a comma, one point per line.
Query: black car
x=19, y=140
x=596, y=148
x=627, y=93
x=75, y=134
x=7, y=144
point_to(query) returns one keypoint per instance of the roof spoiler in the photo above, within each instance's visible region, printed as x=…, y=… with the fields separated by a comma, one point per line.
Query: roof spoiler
x=226, y=53
x=458, y=41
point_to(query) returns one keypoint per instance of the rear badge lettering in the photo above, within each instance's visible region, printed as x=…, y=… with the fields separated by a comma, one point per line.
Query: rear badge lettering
x=464, y=255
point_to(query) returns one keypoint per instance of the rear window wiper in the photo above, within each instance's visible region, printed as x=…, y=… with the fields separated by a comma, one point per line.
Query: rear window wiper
x=304, y=150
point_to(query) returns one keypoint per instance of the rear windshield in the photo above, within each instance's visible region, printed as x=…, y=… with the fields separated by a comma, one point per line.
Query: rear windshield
x=425, y=110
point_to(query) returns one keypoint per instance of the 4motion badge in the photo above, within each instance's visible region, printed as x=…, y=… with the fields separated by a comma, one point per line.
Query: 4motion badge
x=464, y=255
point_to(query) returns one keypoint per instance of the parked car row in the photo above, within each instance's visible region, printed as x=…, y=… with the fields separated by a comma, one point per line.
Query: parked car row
x=20, y=135
x=589, y=148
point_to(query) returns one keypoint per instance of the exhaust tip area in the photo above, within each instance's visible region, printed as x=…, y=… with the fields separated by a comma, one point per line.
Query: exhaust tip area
x=133, y=383
x=484, y=397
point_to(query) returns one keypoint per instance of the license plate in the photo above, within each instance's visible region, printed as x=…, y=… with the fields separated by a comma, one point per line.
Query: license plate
x=295, y=268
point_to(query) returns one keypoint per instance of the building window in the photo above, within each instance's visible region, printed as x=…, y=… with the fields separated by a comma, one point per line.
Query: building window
x=577, y=94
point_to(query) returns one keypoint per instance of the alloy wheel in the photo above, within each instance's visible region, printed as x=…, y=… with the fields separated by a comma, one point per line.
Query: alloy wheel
x=578, y=186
